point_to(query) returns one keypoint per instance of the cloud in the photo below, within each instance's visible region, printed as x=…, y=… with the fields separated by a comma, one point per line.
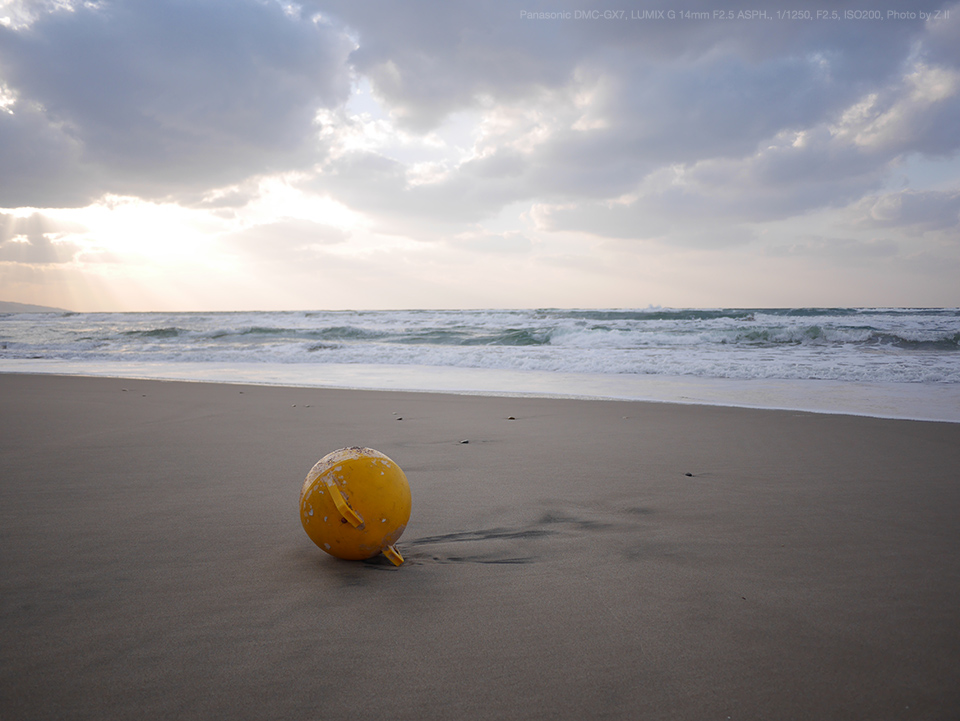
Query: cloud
x=693, y=134
x=34, y=240
x=763, y=120
x=942, y=45
x=430, y=58
x=914, y=210
x=286, y=240
x=848, y=249
x=41, y=162
x=37, y=249
x=174, y=98
x=161, y=98
x=384, y=189
x=794, y=174
x=831, y=163
x=35, y=224
x=912, y=115
x=510, y=242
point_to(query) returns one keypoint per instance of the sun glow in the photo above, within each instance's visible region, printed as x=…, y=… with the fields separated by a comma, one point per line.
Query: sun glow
x=137, y=229
x=278, y=197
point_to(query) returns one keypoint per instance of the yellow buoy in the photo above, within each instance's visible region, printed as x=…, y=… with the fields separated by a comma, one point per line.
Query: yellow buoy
x=355, y=503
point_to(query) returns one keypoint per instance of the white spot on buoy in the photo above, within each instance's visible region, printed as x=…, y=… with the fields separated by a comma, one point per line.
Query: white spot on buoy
x=311, y=512
x=383, y=520
x=327, y=546
x=324, y=519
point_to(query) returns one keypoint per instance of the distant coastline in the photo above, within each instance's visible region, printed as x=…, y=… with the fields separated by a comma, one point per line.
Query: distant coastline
x=7, y=306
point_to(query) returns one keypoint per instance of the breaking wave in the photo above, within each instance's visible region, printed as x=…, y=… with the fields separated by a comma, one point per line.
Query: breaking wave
x=847, y=344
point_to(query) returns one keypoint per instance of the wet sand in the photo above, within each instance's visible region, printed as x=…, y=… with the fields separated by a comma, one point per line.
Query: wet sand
x=586, y=560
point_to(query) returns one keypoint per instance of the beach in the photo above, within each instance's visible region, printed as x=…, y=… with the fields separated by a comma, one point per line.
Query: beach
x=565, y=559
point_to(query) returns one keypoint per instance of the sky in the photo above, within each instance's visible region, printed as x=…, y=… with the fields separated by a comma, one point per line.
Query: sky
x=220, y=155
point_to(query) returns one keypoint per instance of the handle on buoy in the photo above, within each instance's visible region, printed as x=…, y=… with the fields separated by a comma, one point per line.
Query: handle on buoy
x=353, y=518
x=393, y=554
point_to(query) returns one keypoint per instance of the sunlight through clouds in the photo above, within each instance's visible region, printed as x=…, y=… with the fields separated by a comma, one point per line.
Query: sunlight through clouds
x=278, y=140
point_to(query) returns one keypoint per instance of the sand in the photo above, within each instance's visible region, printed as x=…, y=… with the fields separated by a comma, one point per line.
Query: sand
x=586, y=560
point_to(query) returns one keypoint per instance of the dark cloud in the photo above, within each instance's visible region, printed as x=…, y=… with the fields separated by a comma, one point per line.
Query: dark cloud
x=609, y=103
x=799, y=169
x=764, y=119
x=41, y=162
x=778, y=182
x=378, y=185
x=942, y=45
x=161, y=98
x=430, y=57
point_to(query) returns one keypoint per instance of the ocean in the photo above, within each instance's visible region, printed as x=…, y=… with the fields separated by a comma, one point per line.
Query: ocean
x=886, y=362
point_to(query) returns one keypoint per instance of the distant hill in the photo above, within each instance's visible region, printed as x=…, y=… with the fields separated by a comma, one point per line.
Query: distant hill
x=7, y=306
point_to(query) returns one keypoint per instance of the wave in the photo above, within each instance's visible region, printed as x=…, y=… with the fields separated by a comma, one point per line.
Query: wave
x=948, y=342
x=746, y=314
x=154, y=333
x=860, y=336
x=346, y=333
x=901, y=345
x=252, y=333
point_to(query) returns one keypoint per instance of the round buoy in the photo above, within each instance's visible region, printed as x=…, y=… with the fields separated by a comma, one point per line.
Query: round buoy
x=355, y=503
